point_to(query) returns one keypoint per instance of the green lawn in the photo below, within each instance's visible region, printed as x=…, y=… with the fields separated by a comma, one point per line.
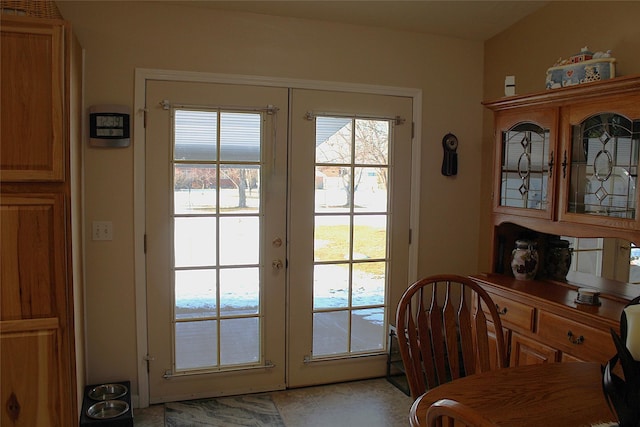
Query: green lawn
x=369, y=243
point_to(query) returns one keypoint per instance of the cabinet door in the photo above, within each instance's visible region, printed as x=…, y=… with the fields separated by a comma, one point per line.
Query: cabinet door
x=32, y=378
x=32, y=108
x=32, y=256
x=525, y=162
x=525, y=351
x=602, y=144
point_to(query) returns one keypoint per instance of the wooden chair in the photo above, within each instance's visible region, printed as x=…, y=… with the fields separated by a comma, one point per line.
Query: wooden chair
x=450, y=413
x=443, y=334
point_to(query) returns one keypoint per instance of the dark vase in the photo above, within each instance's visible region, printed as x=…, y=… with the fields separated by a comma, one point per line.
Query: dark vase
x=558, y=259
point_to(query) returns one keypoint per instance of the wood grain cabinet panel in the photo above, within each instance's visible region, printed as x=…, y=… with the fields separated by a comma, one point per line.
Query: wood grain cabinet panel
x=32, y=256
x=31, y=375
x=32, y=110
x=525, y=351
x=513, y=313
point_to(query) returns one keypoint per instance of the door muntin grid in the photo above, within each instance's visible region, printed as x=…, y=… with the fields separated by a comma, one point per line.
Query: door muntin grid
x=350, y=236
x=525, y=167
x=604, y=166
x=216, y=218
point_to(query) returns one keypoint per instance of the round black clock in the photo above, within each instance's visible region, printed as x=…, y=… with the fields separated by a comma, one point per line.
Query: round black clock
x=450, y=142
x=450, y=159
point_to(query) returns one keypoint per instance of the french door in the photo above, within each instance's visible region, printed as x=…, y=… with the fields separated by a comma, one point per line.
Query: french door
x=349, y=197
x=215, y=217
x=276, y=232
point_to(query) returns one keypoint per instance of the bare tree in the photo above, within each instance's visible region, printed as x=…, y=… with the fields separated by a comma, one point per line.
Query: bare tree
x=243, y=179
x=370, y=147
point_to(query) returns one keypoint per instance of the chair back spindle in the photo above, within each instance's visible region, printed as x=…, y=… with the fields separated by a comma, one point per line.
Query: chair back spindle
x=444, y=333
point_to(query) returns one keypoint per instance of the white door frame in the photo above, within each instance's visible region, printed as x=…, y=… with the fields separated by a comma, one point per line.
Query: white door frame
x=141, y=77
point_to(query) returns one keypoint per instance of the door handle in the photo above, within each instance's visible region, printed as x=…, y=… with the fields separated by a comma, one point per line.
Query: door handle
x=277, y=264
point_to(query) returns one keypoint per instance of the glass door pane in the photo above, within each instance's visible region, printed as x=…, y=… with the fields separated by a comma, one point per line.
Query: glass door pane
x=350, y=235
x=216, y=224
x=525, y=167
x=604, y=166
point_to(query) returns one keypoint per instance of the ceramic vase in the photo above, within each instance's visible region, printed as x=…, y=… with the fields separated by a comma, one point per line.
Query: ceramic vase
x=558, y=259
x=524, y=260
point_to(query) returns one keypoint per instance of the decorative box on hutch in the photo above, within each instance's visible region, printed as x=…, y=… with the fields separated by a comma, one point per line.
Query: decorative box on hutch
x=583, y=67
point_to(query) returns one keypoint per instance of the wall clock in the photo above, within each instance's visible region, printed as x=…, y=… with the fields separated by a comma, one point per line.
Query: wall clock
x=450, y=159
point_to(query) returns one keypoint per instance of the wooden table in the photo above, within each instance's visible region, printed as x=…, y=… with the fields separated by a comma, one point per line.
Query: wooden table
x=550, y=394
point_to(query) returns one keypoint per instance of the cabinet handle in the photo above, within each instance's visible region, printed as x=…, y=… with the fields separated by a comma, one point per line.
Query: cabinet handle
x=501, y=312
x=551, y=163
x=564, y=165
x=577, y=341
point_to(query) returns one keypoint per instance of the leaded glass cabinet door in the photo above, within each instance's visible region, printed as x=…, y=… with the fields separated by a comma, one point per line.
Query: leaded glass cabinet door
x=603, y=178
x=526, y=155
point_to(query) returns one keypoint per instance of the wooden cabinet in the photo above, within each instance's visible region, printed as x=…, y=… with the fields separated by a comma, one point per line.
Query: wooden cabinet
x=547, y=325
x=40, y=128
x=566, y=160
x=33, y=102
x=566, y=164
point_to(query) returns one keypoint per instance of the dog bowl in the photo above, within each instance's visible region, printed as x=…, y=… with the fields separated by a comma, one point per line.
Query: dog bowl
x=106, y=409
x=108, y=392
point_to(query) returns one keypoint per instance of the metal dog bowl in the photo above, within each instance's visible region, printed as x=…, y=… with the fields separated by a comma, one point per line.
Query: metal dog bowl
x=108, y=392
x=107, y=409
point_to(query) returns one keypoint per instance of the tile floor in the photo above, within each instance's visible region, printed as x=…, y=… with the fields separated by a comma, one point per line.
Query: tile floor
x=369, y=403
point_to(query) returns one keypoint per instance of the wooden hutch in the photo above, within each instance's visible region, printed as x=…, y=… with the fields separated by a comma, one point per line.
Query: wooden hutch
x=565, y=164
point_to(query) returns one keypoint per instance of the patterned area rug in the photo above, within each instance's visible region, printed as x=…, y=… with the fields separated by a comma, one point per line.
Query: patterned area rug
x=253, y=410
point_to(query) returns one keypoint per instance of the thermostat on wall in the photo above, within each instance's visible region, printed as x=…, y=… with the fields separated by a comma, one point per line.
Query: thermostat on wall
x=109, y=126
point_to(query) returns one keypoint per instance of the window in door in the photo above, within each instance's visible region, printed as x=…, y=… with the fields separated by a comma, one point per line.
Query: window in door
x=350, y=236
x=216, y=227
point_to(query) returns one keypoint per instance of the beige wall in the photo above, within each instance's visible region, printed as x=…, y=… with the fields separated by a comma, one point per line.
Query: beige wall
x=528, y=48
x=120, y=36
